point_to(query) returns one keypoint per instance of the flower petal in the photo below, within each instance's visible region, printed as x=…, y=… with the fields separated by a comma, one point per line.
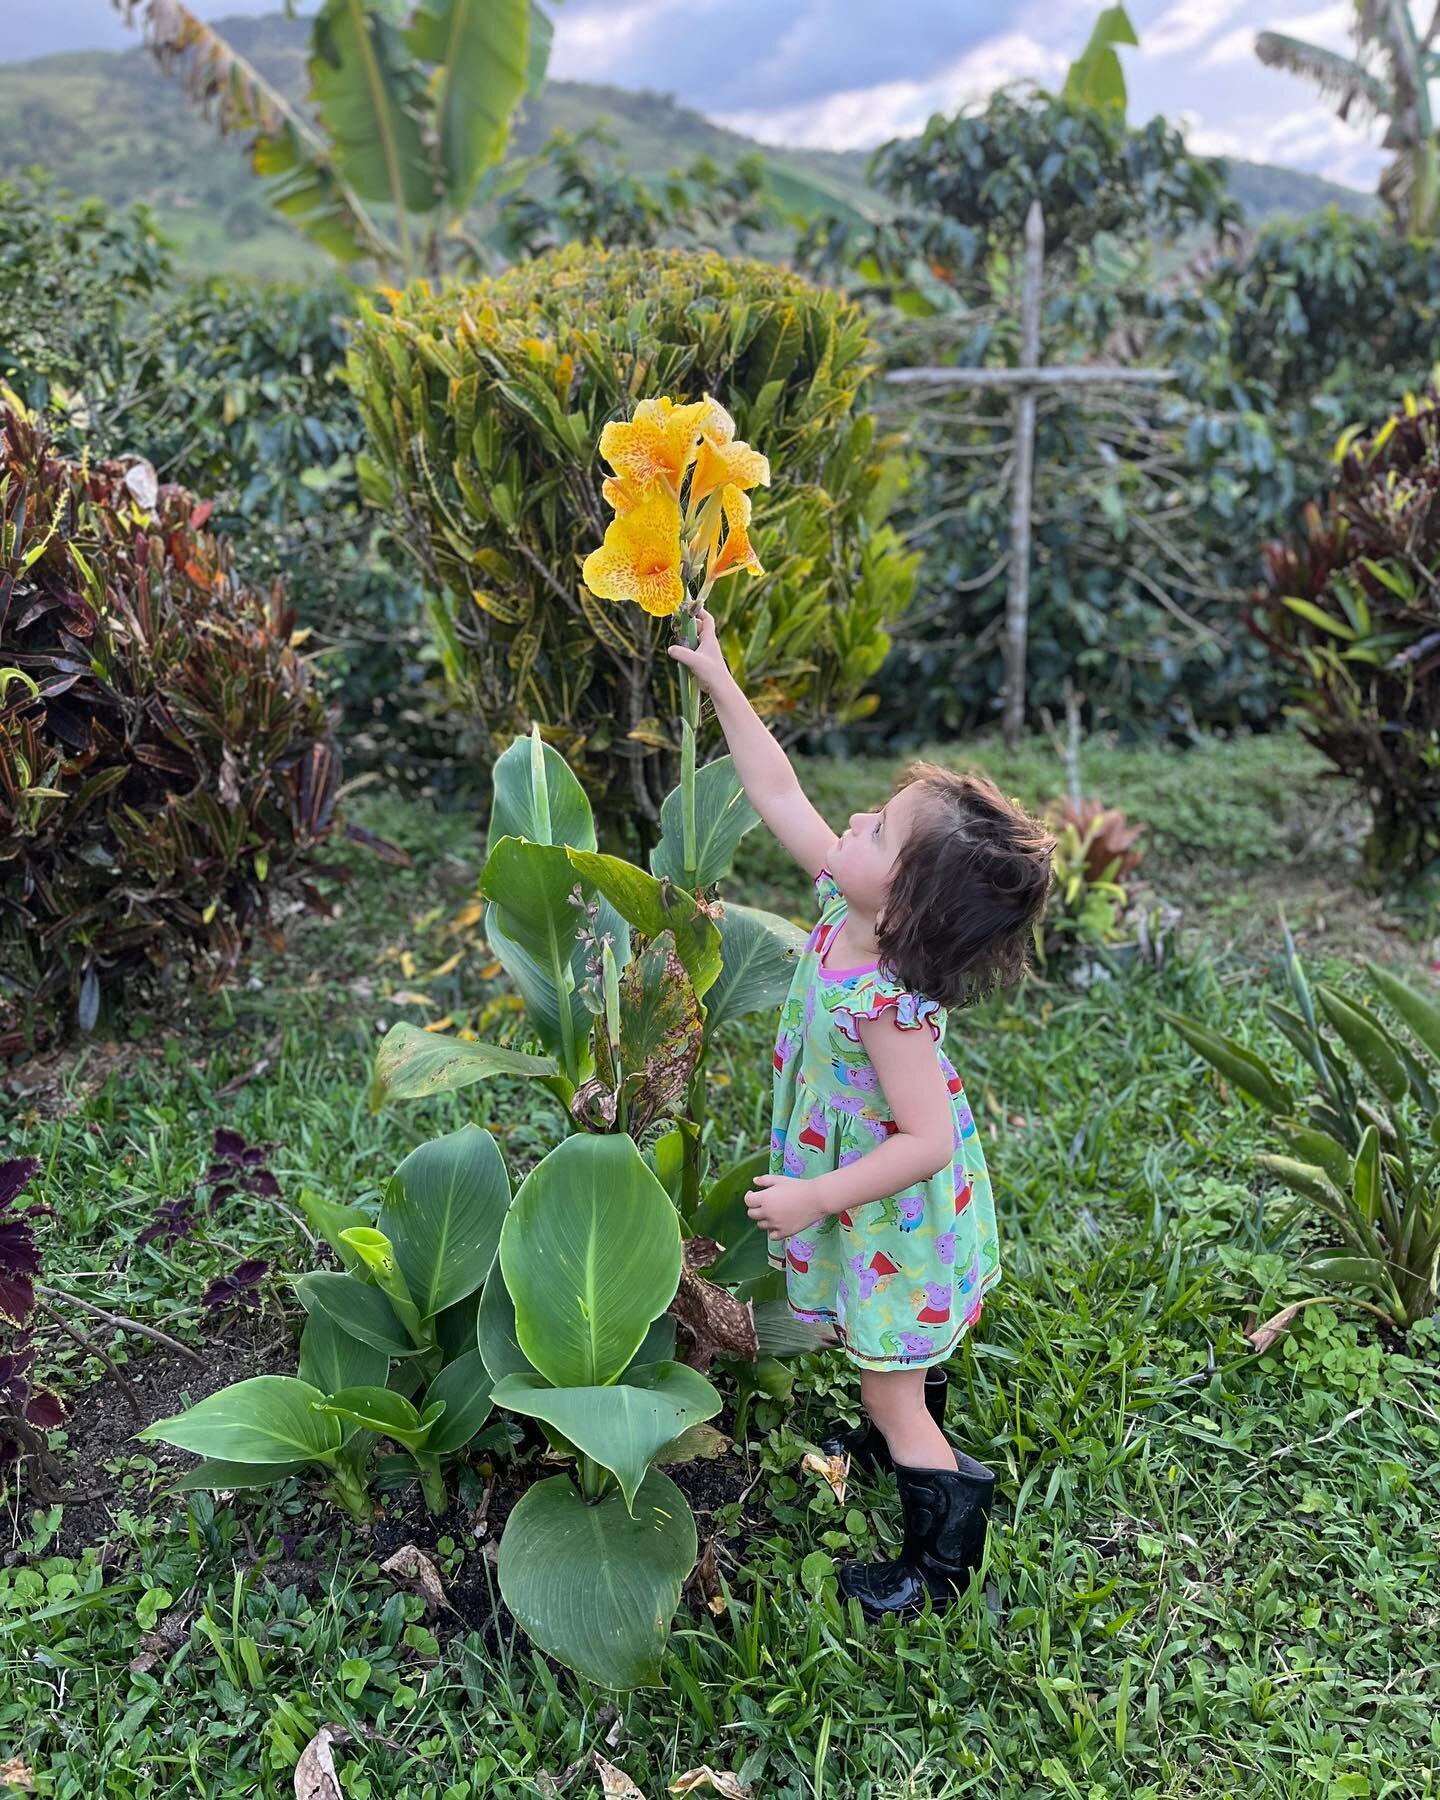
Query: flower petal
x=640, y=558
x=736, y=552
x=720, y=464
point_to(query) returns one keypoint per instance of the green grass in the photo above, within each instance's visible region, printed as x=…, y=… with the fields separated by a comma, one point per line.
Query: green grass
x=1210, y=1574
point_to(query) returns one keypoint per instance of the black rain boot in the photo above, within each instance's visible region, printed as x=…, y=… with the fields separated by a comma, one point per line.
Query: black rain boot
x=946, y=1513
x=865, y=1444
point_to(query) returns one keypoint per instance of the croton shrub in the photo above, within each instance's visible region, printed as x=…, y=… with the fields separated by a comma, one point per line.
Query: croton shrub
x=484, y=407
x=1350, y=603
x=165, y=762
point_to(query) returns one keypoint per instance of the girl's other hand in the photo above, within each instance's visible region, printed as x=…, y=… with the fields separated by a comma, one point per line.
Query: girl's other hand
x=707, y=661
x=783, y=1204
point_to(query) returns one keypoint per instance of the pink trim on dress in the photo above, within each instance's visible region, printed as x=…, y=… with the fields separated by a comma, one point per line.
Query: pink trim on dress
x=839, y=974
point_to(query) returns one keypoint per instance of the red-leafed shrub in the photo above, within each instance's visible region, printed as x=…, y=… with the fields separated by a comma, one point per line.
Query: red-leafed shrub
x=165, y=761
x=1352, y=602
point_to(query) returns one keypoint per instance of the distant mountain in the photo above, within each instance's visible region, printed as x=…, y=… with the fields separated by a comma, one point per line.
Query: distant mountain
x=109, y=123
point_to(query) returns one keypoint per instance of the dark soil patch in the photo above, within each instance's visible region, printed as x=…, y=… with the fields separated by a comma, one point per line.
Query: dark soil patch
x=102, y=1424
x=101, y=1439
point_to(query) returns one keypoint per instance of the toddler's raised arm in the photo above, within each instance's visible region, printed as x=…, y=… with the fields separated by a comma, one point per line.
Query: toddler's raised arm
x=771, y=784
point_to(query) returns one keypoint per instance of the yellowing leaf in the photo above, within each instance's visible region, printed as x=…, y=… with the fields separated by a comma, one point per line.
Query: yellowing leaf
x=833, y=1468
x=407, y=997
x=407, y=964
x=444, y=968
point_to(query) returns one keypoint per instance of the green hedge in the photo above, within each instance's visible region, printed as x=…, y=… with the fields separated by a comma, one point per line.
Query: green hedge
x=484, y=407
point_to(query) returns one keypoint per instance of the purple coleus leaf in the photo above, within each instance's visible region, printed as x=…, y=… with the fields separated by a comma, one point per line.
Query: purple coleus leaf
x=19, y=1253
x=241, y=1287
x=240, y=1167
x=228, y=1144
x=172, y=1221
x=16, y=1175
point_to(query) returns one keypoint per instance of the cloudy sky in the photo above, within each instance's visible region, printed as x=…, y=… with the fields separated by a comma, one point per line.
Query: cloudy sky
x=849, y=73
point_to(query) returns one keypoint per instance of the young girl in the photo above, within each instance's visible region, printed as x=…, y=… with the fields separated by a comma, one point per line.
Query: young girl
x=878, y=1204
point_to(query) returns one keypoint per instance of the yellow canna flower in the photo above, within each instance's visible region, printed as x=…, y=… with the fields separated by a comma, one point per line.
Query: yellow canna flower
x=657, y=444
x=640, y=558
x=723, y=460
x=737, y=552
x=619, y=494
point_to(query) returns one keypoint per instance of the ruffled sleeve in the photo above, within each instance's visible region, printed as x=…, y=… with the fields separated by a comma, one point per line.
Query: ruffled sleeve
x=826, y=892
x=873, y=995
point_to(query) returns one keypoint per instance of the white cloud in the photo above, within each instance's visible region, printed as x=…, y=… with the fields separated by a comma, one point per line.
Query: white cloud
x=858, y=118
x=1186, y=24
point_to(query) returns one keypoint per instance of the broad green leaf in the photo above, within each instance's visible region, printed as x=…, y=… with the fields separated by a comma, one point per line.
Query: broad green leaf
x=658, y=1346
x=443, y=1213
x=213, y=1473
x=413, y=1064
x=1366, y=1188
x=495, y=1330
x=780, y=1333
x=370, y=93
x=700, y=1441
x=758, y=954
x=1354, y=1271
x=455, y=1327
x=667, y=1157
x=1306, y=1179
x=356, y=1307
x=267, y=1419
x=514, y=811
x=722, y=817
x=384, y=1411
x=464, y=1388
x=483, y=49
x=1318, y=1147
x=1238, y=1065
x=330, y=1359
x=623, y=1426
x=328, y=1220
x=652, y=907
x=1368, y=1043
x=596, y=1586
x=722, y=1215
x=1316, y=616
x=591, y=1254
x=1420, y=1015
x=532, y=925
x=1096, y=78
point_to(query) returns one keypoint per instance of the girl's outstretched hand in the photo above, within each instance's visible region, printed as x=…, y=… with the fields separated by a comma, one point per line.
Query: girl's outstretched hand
x=783, y=1204
x=707, y=661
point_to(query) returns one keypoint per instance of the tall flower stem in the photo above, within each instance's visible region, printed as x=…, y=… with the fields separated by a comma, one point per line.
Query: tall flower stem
x=689, y=727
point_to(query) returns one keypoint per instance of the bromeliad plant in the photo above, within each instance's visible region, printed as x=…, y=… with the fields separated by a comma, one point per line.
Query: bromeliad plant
x=1362, y=1132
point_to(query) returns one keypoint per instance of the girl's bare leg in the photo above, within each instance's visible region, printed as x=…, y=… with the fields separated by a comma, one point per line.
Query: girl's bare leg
x=895, y=1400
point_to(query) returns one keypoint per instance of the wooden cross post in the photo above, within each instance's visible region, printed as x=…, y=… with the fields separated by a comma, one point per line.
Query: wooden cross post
x=1026, y=380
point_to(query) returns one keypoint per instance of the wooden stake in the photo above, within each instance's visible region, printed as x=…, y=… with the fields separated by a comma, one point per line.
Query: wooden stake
x=1017, y=602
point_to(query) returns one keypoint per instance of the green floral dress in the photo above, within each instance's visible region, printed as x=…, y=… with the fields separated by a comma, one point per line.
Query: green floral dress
x=902, y=1279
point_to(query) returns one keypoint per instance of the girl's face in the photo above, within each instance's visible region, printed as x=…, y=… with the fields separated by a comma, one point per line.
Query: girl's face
x=865, y=854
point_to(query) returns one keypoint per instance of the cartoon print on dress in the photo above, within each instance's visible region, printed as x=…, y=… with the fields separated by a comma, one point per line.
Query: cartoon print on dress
x=945, y=1248
x=871, y=1274
x=798, y=1252
x=794, y=1161
x=786, y=1044
x=880, y=1129
x=965, y=1119
x=849, y=1076
x=852, y=1105
x=934, y=1303
x=963, y=1191
x=908, y=1346
x=909, y=1210
x=814, y=1133
x=810, y=1009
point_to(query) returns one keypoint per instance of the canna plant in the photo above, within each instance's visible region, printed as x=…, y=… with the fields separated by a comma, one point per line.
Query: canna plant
x=1361, y=1134
x=396, y=1322
x=1096, y=851
x=624, y=1031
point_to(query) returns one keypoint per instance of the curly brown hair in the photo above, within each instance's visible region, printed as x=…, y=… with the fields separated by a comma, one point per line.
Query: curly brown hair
x=965, y=892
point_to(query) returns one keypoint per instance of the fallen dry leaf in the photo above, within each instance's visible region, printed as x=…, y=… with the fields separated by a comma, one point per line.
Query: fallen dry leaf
x=722, y=1781
x=711, y=1319
x=1261, y=1337
x=16, y=1773
x=163, y=1641
x=551, y=1785
x=615, y=1784
x=706, y=1577
x=833, y=1468
x=315, y=1777
x=410, y=1563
